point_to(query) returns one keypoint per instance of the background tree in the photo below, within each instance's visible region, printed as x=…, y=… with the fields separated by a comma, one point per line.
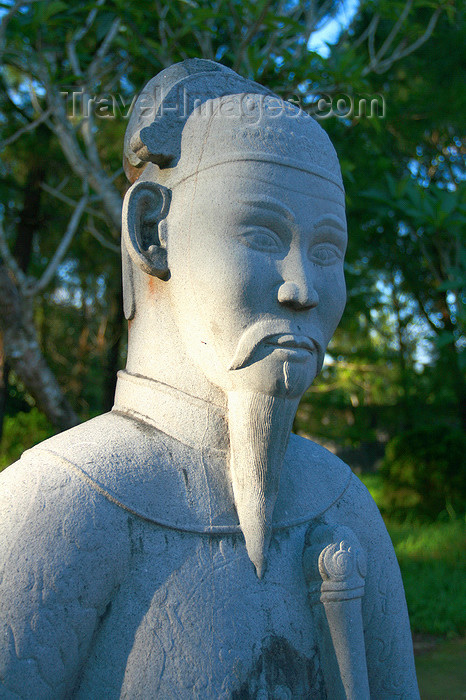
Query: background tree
x=62, y=187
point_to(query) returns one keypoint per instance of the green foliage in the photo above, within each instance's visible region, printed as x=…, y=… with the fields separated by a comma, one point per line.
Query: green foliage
x=425, y=472
x=22, y=431
x=428, y=225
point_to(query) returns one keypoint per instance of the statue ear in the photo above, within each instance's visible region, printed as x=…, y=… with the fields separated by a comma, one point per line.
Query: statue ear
x=146, y=204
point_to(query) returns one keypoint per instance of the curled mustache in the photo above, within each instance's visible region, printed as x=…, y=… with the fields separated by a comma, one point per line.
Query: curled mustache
x=259, y=332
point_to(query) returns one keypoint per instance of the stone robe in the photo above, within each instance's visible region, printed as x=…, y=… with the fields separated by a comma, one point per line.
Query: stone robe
x=123, y=572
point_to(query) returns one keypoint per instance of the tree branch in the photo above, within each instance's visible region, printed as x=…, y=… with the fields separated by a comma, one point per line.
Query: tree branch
x=102, y=240
x=104, y=47
x=73, y=57
x=425, y=314
x=422, y=39
x=379, y=66
x=395, y=29
x=9, y=260
x=78, y=35
x=22, y=349
x=370, y=29
x=28, y=127
x=90, y=172
x=61, y=249
x=87, y=130
x=71, y=202
x=371, y=40
x=250, y=34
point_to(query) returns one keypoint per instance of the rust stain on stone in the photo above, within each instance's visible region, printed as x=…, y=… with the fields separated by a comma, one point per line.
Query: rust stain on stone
x=151, y=283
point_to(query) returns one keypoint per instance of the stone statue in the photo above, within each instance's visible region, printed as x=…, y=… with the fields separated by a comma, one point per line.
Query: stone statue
x=187, y=544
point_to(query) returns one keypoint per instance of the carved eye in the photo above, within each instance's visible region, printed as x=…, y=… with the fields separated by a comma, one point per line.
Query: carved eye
x=263, y=239
x=325, y=254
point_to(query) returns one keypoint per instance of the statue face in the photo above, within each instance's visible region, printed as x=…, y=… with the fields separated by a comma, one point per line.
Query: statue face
x=255, y=252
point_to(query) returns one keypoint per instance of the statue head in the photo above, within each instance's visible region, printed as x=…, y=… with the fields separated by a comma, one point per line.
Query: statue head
x=237, y=210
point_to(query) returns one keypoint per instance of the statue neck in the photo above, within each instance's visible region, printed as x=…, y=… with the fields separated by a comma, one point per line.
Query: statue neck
x=157, y=352
x=189, y=419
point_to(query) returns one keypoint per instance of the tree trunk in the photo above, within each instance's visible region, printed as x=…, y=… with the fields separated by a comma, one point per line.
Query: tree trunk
x=22, y=349
x=26, y=228
x=28, y=220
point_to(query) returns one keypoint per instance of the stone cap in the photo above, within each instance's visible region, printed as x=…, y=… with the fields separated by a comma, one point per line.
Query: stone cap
x=165, y=104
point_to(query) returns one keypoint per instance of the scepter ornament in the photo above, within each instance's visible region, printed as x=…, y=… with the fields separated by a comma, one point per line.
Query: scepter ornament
x=335, y=568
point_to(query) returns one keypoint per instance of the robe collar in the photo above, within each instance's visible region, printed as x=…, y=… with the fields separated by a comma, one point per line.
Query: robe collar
x=186, y=418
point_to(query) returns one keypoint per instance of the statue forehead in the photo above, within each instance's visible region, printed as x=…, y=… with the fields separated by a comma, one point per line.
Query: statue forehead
x=239, y=184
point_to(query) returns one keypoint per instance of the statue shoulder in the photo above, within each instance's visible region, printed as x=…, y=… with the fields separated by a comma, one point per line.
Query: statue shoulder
x=109, y=436
x=59, y=570
x=48, y=476
x=358, y=506
x=315, y=456
x=50, y=479
x=312, y=481
x=50, y=515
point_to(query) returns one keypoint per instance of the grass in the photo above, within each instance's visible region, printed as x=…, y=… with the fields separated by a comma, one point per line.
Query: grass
x=432, y=558
x=441, y=673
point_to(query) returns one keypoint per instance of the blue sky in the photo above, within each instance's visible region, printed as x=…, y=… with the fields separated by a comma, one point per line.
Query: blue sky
x=329, y=33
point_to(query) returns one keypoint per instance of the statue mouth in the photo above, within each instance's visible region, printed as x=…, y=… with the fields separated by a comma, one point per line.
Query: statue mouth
x=291, y=342
x=277, y=334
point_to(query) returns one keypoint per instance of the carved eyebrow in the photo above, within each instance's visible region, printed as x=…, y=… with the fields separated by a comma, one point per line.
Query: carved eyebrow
x=273, y=205
x=330, y=220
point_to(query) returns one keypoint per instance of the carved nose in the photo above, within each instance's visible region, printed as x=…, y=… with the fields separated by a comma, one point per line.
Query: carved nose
x=298, y=296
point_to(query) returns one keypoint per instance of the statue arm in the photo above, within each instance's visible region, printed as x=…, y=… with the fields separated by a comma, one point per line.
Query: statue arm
x=58, y=572
x=388, y=642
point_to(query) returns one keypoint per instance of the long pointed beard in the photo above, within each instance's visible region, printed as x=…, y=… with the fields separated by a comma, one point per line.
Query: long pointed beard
x=259, y=427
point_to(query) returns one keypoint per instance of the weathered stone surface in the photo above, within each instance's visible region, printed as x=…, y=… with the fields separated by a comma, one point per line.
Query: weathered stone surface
x=187, y=545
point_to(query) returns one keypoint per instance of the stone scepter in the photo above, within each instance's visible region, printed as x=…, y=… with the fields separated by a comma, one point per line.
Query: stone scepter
x=335, y=568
